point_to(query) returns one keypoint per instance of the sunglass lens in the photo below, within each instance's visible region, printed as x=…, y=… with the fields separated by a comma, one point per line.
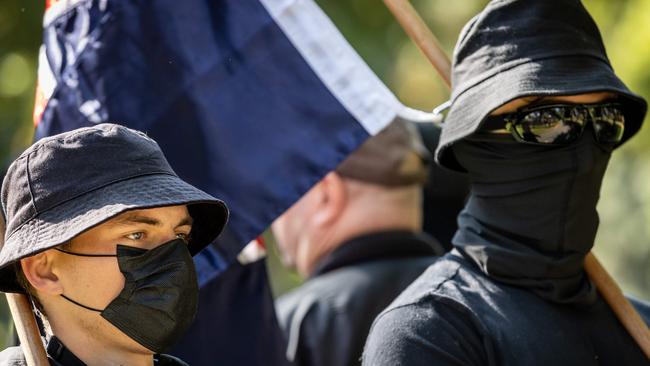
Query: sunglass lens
x=609, y=126
x=550, y=127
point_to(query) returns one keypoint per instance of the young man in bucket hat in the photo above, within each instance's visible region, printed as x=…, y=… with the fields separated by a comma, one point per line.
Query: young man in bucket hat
x=100, y=232
x=536, y=111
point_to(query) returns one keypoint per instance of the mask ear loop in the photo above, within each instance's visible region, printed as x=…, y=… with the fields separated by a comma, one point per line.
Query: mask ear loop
x=84, y=255
x=81, y=305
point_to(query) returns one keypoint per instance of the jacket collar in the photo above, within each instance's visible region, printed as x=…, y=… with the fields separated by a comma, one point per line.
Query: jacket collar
x=60, y=355
x=379, y=245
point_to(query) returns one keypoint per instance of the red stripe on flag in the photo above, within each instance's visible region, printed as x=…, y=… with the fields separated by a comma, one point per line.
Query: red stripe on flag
x=40, y=102
x=260, y=242
x=49, y=3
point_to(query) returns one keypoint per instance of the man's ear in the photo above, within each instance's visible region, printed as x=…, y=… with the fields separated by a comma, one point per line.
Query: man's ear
x=333, y=198
x=38, y=271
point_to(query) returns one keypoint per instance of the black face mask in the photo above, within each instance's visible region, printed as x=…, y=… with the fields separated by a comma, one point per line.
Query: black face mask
x=160, y=296
x=531, y=216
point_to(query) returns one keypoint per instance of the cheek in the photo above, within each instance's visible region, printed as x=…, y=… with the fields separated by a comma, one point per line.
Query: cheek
x=287, y=231
x=98, y=280
x=290, y=228
x=282, y=231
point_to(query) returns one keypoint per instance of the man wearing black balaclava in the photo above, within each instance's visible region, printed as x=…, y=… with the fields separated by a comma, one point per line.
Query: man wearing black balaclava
x=536, y=112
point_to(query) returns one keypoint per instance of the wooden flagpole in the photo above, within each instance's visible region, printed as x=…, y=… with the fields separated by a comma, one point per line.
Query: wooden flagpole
x=613, y=295
x=25, y=322
x=415, y=27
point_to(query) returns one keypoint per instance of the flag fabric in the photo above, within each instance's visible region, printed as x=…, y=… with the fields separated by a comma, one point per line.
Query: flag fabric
x=253, y=101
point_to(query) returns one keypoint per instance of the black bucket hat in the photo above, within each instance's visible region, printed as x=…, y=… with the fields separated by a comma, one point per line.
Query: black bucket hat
x=518, y=48
x=66, y=184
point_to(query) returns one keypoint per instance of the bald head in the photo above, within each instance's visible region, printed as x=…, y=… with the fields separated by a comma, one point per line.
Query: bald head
x=338, y=209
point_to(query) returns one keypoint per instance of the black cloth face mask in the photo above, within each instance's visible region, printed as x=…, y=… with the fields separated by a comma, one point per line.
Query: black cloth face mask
x=531, y=216
x=160, y=296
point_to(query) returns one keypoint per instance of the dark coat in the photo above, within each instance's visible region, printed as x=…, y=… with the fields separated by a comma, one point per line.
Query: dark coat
x=326, y=320
x=59, y=355
x=455, y=315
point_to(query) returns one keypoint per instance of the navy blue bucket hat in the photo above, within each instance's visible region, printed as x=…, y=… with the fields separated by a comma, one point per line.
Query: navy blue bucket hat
x=518, y=48
x=66, y=184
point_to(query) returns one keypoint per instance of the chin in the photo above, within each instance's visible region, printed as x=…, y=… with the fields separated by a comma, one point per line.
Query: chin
x=123, y=342
x=135, y=347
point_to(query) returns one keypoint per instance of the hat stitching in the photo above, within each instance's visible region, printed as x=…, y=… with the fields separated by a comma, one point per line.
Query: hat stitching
x=29, y=184
x=507, y=67
x=115, y=214
x=85, y=192
x=35, y=227
x=108, y=184
x=46, y=141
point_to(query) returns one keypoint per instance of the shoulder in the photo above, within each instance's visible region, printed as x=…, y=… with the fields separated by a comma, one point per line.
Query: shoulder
x=316, y=318
x=294, y=306
x=429, y=322
x=314, y=306
x=308, y=313
x=432, y=330
x=12, y=356
x=348, y=289
x=446, y=273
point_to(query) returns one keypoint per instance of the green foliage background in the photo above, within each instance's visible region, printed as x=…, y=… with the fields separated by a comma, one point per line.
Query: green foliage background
x=623, y=242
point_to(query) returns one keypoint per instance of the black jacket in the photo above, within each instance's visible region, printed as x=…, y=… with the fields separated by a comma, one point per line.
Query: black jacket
x=455, y=315
x=326, y=320
x=59, y=355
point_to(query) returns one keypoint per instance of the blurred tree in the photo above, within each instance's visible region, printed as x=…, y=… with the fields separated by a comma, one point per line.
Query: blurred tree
x=20, y=37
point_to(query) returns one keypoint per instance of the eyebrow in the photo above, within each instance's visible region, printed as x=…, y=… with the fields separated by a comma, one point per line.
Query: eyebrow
x=147, y=220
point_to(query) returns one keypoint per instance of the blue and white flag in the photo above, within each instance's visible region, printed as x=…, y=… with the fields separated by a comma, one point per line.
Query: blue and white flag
x=253, y=101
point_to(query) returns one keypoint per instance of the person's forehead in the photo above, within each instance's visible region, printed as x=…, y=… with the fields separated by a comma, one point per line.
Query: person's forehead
x=160, y=218
x=584, y=98
x=162, y=215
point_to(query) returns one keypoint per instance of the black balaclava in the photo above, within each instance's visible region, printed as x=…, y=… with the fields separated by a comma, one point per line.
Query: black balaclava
x=531, y=216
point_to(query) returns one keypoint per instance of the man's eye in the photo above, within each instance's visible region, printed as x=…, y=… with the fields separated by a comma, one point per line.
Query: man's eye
x=135, y=236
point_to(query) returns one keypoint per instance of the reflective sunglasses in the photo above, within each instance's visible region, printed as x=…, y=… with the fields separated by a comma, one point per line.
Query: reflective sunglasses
x=560, y=124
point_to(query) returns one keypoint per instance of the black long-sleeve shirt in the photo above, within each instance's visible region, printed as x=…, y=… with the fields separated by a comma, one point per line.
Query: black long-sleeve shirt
x=455, y=315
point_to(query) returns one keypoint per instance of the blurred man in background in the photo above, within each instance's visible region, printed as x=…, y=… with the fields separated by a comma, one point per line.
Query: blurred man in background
x=356, y=236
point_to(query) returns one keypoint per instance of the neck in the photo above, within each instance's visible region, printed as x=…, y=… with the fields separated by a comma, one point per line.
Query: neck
x=86, y=340
x=510, y=257
x=325, y=242
x=531, y=216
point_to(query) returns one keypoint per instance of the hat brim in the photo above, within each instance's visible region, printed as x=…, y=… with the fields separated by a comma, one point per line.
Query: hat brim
x=569, y=75
x=62, y=223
